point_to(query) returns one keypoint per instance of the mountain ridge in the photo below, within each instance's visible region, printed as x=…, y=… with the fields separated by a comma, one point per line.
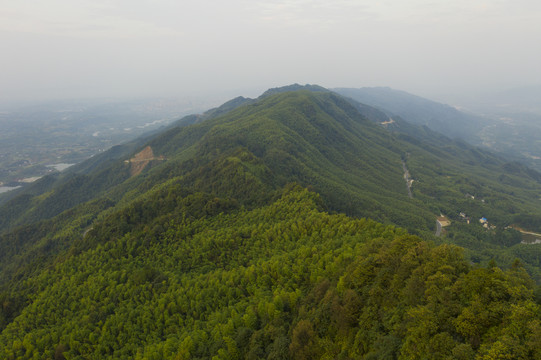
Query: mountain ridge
x=183, y=139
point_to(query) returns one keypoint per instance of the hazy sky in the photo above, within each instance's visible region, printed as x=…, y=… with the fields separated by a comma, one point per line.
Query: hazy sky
x=121, y=48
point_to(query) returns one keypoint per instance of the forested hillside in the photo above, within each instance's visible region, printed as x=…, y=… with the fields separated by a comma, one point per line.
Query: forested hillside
x=278, y=282
x=417, y=110
x=280, y=227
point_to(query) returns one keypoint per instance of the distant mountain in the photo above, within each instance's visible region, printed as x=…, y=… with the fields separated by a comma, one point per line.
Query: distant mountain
x=417, y=110
x=268, y=228
x=508, y=125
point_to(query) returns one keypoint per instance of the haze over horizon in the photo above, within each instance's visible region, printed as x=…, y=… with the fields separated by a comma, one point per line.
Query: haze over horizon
x=86, y=49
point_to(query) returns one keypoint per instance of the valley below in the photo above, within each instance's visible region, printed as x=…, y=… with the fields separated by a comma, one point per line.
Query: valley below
x=38, y=140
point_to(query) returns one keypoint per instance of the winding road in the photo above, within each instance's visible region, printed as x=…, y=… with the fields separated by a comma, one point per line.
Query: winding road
x=407, y=178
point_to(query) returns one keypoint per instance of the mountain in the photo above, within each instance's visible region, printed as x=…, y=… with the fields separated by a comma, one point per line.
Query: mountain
x=314, y=138
x=507, y=124
x=438, y=117
x=288, y=138
x=267, y=228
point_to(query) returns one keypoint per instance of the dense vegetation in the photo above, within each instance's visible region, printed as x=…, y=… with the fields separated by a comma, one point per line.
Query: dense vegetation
x=252, y=240
x=282, y=281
